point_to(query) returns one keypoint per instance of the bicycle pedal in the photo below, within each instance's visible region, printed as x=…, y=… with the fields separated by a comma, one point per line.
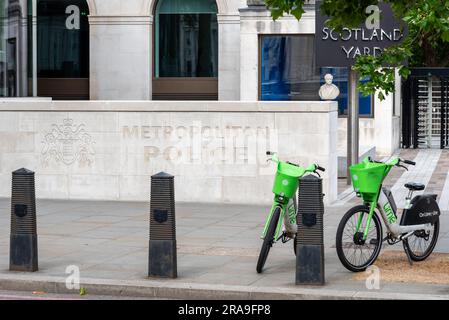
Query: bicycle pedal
x=284, y=237
x=281, y=237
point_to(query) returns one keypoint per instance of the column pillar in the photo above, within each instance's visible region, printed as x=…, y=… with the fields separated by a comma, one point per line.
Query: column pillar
x=120, y=57
x=251, y=19
x=228, y=57
x=383, y=125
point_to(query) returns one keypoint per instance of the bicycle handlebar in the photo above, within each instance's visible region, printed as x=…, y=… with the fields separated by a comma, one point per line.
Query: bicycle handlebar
x=397, y=162
x=374, y=161
x=413, y=163
x=293, y=164
x=311, y=168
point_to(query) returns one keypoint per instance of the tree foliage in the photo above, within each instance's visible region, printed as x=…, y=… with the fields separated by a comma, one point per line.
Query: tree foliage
x=426, y=45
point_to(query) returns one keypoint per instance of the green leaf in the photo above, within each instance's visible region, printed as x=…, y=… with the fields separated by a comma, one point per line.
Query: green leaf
x=427, y=22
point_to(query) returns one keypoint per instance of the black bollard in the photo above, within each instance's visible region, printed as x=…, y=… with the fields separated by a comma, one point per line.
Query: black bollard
x=23, y=238
x=162, y=246
x=310, y=240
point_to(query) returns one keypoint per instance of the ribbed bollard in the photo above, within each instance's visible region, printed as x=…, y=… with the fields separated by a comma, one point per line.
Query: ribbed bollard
x=310, y=240
x=23, y=238
x=162, y=246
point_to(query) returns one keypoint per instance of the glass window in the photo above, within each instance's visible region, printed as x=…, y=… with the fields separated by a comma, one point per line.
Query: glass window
x=14, y=28
x=288, y=69
x=63, y=39
x=288, y=72
x=186, y=39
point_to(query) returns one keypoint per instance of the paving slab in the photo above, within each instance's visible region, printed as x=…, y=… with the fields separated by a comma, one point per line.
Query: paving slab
x=218, y=246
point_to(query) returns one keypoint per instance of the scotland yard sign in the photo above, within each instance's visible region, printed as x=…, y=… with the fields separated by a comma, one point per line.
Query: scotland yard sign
x=380, y=30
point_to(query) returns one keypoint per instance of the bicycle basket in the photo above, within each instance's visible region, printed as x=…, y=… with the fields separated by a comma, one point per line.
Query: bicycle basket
x=286, y=180
x=367, y=177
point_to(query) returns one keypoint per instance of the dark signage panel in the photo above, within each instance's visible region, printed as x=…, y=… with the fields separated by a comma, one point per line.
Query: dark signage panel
x=335, y=49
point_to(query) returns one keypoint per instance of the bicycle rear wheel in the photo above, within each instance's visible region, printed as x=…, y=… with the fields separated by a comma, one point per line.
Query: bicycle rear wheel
x=421, y=244
x=268, y=240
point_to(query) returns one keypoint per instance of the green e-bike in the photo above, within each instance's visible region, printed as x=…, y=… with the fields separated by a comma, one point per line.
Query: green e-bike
x=281, y=222
x=359, y=235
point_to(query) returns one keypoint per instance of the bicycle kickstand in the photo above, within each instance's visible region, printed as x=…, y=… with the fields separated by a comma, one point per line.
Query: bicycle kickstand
x=410, y=261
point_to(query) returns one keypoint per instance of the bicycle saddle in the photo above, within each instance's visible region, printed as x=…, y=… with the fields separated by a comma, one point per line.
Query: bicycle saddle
x=415, y=186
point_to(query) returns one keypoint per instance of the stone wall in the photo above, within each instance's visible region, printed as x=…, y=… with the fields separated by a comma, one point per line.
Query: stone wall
x=216, y=150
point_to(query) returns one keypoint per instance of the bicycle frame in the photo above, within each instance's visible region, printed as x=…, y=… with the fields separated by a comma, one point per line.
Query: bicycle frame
x=287, y=210
x=382, y=204
x=286, y=204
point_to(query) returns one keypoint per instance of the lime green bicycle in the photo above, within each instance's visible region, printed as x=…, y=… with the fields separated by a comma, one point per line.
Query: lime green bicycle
x=359, y=235
x=282, y=215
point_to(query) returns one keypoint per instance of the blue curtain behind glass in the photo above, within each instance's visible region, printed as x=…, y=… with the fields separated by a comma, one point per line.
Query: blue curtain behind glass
x=274, y=85
x=284, y=78
x=288, y=69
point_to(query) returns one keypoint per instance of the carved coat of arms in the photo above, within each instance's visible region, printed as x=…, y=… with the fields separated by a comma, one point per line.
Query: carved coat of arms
x=68, y=143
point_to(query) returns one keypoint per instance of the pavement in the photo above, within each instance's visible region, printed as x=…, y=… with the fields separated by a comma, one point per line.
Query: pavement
x=21, y=295
x=218, y=246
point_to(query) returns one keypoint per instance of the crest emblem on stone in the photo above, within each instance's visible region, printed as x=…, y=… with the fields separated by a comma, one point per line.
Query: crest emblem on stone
x=68, y=143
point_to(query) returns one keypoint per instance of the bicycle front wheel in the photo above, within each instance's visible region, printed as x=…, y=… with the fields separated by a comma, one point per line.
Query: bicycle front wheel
x=268, y=240
x=355, y=253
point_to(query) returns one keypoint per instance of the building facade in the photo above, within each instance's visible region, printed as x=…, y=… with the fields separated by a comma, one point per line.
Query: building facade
x=102, y=54
x=226, y=50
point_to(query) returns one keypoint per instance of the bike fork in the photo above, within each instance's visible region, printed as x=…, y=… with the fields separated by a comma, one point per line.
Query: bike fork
x=280, y=221
x=265, y=228
x=368, y=221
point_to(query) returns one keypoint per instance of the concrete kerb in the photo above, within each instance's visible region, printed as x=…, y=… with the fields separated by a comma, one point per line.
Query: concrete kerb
x=174, y=289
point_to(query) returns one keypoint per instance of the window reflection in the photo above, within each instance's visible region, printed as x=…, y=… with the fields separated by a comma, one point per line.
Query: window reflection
x=288, y=69
x=13, y=35
x=186, y=43
x=63, y=39
x=288, y=72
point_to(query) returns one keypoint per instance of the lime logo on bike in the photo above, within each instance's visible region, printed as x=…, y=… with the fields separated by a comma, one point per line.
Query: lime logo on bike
x=354, y=177
x=292, y=214
x=285, y=182
x=391, y=217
